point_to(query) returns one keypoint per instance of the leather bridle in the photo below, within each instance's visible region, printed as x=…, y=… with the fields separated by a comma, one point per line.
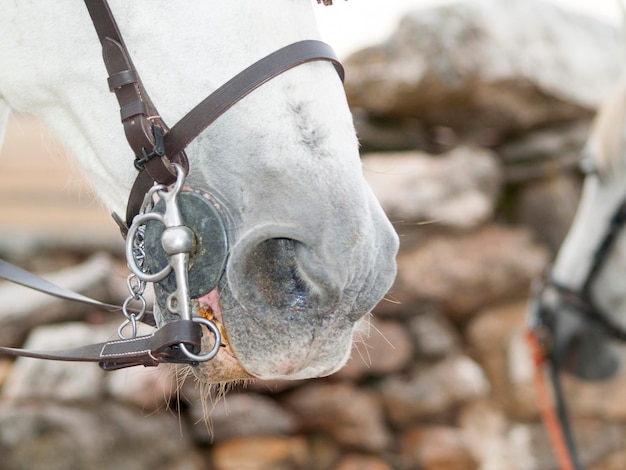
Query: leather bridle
x=548, y=296
x=581, y=300
x=159, y=153
x=154, y=144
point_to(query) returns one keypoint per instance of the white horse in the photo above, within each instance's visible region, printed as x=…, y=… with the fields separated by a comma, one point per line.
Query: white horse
x=311, y=251
x=590, y=278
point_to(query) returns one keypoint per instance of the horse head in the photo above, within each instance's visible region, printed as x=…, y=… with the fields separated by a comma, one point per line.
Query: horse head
x=310, y=251
x=589, y=308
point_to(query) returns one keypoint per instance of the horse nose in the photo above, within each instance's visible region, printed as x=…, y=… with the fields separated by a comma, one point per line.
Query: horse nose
x=582, y=348
x=275, y=270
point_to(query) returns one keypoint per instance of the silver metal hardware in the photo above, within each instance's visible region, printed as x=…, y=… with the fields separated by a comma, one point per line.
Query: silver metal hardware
x=136, y=287
x=178, y=242
x=216, y=347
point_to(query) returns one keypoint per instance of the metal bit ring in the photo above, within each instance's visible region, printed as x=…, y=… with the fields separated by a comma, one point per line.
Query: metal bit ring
x=132, y=263
x=216, y=347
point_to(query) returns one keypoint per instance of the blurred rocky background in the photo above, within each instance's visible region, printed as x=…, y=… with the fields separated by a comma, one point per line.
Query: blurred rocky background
x=471, y=119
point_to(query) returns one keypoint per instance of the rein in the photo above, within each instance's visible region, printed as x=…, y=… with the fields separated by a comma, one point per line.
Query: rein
x=165, y=222
x=546, y=380
x=540, y=334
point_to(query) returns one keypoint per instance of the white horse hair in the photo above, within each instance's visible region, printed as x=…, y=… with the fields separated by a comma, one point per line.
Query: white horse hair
x=311, y=251
x=585, y=349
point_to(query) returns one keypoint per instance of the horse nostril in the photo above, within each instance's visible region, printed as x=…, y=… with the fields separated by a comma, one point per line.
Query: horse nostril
x=272, y=270
x=281, y=275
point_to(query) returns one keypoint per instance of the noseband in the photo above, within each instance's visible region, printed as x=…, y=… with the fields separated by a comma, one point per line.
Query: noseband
x=175, y=235
x=154, y=144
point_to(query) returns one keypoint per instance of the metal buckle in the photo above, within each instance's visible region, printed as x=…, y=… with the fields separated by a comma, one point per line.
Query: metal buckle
x=157, y=151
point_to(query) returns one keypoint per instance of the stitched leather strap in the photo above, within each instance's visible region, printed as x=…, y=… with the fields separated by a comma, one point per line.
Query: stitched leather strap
x=150, y=350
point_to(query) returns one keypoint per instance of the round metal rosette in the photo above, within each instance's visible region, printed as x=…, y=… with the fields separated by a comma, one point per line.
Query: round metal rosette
x=207, y=259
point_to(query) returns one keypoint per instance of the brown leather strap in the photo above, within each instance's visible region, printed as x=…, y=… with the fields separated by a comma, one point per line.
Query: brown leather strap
x=150, y=350
x=138, y=113
x=242, y=84
x=222, y=99
x=142, y=184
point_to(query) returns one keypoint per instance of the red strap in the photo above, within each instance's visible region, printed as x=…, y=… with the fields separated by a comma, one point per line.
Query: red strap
x=548, y=414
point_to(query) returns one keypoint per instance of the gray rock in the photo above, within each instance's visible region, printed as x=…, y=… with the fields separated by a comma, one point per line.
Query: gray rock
x=495, y=337
x=544, y=153
x=468, y=271
x=435, y=337
x=381, y=347
x=433, y=390
x=36, y=379
x=362, y=462
x=105, y=436
x=262, y=453
x=495, y=441
x=613, y=461
x=148, y=388
x=457, y=189
x=431, y=447
x=548, y=206
x=352, y=416
x=488, y=66
x=24, y=309
x=241, y=415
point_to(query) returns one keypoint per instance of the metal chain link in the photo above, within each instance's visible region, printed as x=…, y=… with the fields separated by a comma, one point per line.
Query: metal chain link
x=136, y=287
x=139, y=248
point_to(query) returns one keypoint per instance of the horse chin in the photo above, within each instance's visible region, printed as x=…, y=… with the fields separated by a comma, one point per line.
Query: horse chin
x=593, y=358
x=226, y=366
x=223, y=368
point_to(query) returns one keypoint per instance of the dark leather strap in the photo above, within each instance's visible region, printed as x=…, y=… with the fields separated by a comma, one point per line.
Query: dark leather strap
x=150, y=350
x=17, y=275
x=222, y=99
x=138, y=113
x=242, y=84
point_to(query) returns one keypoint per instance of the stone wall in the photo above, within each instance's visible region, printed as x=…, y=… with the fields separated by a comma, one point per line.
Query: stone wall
x=471, y=119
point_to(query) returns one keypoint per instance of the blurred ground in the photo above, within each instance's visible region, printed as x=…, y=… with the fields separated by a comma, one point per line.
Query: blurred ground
x=42, y=192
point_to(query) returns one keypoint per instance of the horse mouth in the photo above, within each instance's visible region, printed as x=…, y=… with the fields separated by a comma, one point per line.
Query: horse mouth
x=224, y=367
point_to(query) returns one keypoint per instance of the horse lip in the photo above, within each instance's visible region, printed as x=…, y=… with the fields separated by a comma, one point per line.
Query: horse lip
x=209, y=308
x=224, y=367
